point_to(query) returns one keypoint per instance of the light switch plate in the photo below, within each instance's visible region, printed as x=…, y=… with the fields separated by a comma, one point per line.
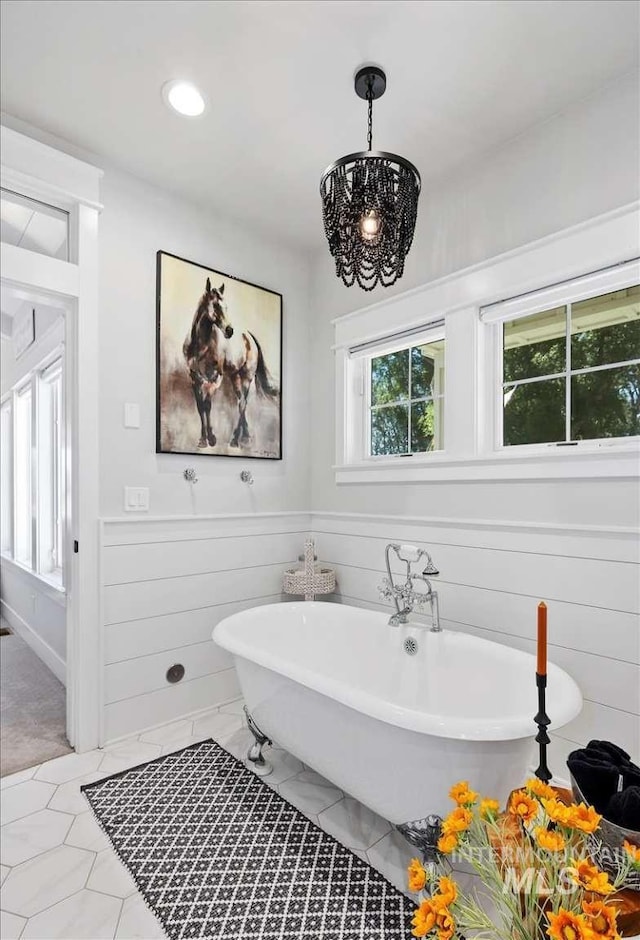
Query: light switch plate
x=136, y=499
x=131, y=414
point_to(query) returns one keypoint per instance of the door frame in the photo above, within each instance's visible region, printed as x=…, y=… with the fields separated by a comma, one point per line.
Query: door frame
x=40, y=172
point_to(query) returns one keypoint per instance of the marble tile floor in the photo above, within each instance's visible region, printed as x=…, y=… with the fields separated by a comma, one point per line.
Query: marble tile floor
x=61, y=878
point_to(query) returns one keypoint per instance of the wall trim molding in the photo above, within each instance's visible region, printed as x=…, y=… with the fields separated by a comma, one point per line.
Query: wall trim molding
x=622, y=532
x=188, y=716
x=43, y=651
x=201, y=517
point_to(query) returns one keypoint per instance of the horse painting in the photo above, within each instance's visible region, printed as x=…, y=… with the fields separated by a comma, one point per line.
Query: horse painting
x=215, y=351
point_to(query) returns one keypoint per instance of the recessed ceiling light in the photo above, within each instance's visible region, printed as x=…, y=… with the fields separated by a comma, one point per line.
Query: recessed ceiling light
x=183, y=97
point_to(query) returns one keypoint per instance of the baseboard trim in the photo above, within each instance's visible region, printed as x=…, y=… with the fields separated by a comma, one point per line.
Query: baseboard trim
x=43, y=651
x=187, y=716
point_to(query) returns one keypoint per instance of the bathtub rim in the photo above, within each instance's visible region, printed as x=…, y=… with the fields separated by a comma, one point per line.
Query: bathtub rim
x=507, y=728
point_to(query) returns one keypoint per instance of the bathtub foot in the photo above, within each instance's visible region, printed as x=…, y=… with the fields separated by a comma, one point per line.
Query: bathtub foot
x=424, y=835
x=255, y=758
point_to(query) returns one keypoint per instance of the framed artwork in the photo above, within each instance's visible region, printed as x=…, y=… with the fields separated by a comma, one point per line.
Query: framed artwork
x=219, y=363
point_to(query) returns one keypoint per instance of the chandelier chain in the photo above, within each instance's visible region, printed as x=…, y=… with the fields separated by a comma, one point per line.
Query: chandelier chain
x=370, y=117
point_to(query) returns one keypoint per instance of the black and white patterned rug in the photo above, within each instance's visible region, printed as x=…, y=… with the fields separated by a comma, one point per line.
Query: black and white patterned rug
x=218, y=854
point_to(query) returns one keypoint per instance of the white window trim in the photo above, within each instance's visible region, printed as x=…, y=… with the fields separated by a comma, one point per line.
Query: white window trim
x=572, y=291
x=360, y=378
x=471, y=451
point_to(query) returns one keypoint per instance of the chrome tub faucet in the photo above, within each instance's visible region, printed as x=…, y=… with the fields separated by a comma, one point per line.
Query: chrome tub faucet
x=405, y=596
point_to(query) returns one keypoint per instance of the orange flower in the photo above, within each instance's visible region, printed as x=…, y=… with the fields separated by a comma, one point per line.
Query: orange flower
x=583, y=818
x=551, y=841
x=540, y=789
x=567, y=926
x=424, y=919
x=523, y=806
x=447, y=843
x=447, y=893
x=462, y=795
x=602, y=920
x=489, y=808
x=445, y=923
x=633, y=852
x=556, y=811
x=417, y=875
x=457, y=821
x=589, y=877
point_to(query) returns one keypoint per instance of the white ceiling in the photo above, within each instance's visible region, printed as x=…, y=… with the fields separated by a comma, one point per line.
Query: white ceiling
x=463, y=77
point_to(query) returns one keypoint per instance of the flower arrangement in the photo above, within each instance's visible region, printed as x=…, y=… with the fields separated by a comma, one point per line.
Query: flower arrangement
x=535, y=867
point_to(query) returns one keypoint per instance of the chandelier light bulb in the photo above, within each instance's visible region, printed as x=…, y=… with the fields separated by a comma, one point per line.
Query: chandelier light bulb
x=370, y=224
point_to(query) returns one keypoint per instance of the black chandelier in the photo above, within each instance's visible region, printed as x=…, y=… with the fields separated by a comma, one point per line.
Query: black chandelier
x=369, y=204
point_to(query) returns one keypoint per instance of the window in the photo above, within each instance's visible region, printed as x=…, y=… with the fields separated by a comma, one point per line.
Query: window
x=51, y=479
x=22, y=475
x=406, y=400
x=572, y=373
x=34, y=225
x=6, y=476
x=542, y=372
x=33, y=473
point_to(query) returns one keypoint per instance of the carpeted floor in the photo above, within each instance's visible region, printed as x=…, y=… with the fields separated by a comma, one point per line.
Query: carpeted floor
x=32, y=709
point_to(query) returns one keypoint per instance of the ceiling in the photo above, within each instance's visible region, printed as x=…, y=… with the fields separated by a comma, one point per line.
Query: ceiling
x=464, y=76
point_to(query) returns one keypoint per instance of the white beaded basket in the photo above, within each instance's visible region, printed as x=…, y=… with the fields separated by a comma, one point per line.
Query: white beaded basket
x=312, y=579
x=322, y=581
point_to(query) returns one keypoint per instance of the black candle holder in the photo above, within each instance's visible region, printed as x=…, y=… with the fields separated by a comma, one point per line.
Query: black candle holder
x=542, y=720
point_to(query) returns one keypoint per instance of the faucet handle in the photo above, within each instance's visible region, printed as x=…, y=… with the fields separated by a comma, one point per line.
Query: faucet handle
x=385, y=590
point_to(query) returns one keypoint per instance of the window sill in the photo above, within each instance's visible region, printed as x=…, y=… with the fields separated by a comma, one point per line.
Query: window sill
x=48, y=584
x=603, y=462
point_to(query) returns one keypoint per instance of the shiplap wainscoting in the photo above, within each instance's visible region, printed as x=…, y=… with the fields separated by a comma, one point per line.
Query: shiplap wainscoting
x=166, y=582
x=492, y=576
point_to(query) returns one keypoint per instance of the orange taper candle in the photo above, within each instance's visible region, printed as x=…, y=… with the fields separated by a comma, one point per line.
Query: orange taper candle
x=542, y=639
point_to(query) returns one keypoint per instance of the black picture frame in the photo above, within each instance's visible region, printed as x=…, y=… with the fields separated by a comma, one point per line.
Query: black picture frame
x=179, y=380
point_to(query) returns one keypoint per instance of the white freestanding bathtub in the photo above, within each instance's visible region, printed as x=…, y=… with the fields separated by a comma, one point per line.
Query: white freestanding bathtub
x=333, y=685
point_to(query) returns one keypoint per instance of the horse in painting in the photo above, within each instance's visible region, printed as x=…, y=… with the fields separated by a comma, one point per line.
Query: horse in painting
x=214, y=351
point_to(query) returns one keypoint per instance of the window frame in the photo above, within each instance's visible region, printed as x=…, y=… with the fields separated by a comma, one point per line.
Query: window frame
x=597, y=284
x=425, y=337
x=31, y=383
x=593, y=258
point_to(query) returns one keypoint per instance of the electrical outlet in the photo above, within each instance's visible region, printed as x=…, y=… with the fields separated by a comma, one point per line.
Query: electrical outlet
x=136, y=499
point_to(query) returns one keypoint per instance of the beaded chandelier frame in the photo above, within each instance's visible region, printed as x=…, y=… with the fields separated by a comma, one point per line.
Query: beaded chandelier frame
x=370, y=204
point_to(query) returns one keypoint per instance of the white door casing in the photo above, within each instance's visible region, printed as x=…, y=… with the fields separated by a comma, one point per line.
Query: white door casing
x=40, y=172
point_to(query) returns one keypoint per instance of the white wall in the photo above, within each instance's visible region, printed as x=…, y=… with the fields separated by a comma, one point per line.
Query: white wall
x=576, y=166
x=36, y=612
x=137, y=221
x=167, y=583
